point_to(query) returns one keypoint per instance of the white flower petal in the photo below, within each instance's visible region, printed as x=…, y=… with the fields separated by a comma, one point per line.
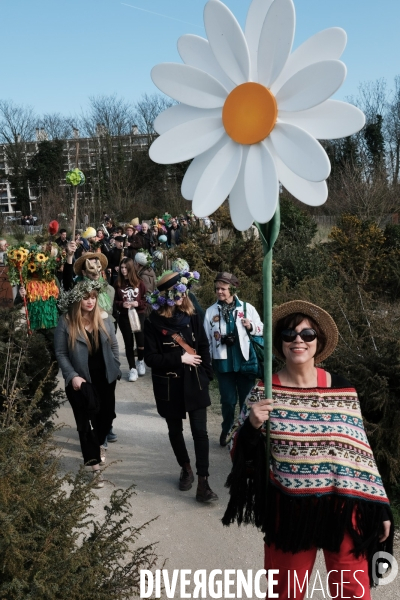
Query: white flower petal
x=255, y=19
x=310, y=192
x=196, y=52
x=261, y=183
x=327, y=121
x=311, y=86
x=189, y=85
x=180, y=113
x=197, y=167
x=218, y=179
x=276, y=41
x=227, y=41
x=186, y=141
x=300, y=152
x=324, y=45
x=240, y=214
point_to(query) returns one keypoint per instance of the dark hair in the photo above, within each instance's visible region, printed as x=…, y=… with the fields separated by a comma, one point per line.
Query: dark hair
x=132, y=275
x=62, y=231
x=290, y=322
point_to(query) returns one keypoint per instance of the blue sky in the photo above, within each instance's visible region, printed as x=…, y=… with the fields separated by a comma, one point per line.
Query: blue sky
x=57, y=53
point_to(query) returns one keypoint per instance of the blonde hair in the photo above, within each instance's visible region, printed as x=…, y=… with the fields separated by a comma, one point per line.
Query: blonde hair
x=168, y=311
x=76, y=325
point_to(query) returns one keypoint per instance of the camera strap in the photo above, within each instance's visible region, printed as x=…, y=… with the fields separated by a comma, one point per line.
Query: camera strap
x=219, y=321
x=178, y=339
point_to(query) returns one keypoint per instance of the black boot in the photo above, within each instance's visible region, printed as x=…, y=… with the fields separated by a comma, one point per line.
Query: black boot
x=204, y=492
x=222, y=439
x=186, y=478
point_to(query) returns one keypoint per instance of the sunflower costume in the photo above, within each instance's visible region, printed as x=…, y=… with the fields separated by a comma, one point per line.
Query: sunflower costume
x=35, y=267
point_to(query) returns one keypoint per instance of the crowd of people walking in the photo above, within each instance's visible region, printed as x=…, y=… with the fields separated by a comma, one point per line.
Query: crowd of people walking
x=323, y=486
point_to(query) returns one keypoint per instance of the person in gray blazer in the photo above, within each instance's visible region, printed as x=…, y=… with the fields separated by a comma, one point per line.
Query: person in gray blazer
x=87, y=352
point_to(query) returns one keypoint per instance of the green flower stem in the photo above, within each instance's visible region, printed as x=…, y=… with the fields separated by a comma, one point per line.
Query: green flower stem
x=269, y=233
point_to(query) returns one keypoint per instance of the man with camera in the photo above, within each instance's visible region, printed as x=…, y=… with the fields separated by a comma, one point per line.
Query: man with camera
x=228, y=324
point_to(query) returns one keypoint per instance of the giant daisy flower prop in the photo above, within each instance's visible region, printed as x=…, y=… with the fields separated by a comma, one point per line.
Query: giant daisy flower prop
x=251, y=112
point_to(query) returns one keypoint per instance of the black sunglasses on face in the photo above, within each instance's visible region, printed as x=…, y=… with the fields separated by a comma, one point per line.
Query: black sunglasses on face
x=307, y=335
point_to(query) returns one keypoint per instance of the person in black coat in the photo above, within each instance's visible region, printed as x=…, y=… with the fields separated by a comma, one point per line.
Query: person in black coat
x=174, y=234
x=115, y=255
x=177, y=351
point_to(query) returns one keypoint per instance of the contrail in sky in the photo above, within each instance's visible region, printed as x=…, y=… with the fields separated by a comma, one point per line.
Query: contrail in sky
x=159, y=14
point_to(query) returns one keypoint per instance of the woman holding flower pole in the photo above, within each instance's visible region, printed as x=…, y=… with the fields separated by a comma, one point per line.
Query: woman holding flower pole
x=176, y=348
x=321, y=488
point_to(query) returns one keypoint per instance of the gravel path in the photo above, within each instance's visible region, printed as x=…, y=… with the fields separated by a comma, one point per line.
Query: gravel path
x=189, y=535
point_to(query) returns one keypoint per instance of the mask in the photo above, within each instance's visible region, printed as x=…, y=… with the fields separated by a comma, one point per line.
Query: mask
x=93, y=268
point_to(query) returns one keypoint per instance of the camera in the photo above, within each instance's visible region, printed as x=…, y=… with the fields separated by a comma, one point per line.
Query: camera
x=228, y=339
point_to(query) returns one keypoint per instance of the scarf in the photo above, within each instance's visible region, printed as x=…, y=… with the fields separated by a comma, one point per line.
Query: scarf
x=227, y=309
x=170, y=325
x=323, y=479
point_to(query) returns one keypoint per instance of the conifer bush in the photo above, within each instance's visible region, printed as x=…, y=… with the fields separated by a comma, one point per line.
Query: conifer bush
x=52, y=545
x=28, y=370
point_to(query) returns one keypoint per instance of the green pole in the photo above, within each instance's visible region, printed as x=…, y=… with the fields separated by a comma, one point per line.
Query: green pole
x=269, y=233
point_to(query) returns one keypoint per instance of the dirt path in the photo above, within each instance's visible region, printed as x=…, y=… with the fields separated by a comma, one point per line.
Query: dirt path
x=189, y=535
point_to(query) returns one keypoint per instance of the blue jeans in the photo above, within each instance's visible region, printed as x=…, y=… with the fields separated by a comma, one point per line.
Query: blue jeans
x=231, y=385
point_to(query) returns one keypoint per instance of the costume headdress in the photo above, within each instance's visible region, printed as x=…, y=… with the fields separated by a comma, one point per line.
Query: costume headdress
x=77, y=293
x=171, y=289
x=81, y=262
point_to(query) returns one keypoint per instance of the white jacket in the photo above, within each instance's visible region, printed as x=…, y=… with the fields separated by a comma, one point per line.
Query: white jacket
x=215, y=326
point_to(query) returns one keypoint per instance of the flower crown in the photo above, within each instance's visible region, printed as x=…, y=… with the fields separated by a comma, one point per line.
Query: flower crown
x=172, y=290
x=79, y=291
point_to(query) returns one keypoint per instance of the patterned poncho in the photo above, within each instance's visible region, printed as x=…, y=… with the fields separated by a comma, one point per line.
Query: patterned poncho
x=323, y=479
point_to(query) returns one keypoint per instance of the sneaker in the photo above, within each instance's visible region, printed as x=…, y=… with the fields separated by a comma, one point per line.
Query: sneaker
x=98, y=481
x=102, y=454
x=141, y=369
x=111, y=437
x=133, y=375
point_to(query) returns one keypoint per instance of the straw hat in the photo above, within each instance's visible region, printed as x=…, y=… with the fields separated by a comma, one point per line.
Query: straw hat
x=320, y=316
x=135, y=221
x=80, y=263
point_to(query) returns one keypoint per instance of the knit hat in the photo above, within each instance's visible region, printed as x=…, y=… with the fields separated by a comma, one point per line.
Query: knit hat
x=320, y=316
x=89, y=232
x=141, y=258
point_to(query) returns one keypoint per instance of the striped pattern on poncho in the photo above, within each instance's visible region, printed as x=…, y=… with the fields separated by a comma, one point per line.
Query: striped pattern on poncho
x=318, y=444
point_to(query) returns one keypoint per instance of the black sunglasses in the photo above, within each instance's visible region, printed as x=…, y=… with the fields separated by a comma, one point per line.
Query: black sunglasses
x=307, y=335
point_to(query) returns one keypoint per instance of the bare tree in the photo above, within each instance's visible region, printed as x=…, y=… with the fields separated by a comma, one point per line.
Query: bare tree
x=107, y=115
x=17, y=122
x=367, y=199
x=147, y=110
x=55, y=126
x=392, y=131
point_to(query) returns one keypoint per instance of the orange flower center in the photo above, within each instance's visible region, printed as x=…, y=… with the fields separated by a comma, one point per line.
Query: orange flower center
x=249, y=113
